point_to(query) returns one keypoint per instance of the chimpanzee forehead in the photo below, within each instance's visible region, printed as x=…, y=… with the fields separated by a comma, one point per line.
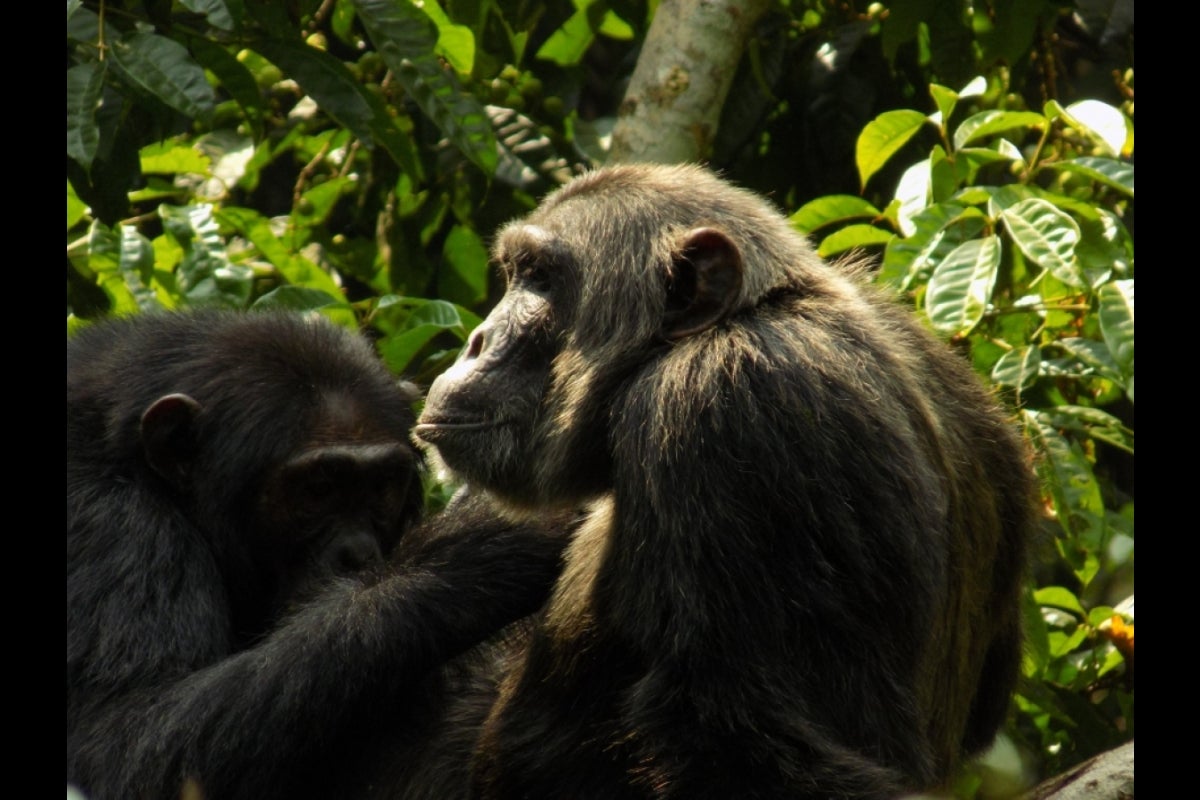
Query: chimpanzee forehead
x=522, y=240
x=342, y=416
x=521, y=237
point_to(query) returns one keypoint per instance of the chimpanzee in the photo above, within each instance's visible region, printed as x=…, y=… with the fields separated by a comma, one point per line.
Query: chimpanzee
x=237, y=484
x=801, y=572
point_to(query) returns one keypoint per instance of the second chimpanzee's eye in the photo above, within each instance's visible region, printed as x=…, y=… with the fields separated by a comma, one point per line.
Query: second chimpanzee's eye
x=535, y=276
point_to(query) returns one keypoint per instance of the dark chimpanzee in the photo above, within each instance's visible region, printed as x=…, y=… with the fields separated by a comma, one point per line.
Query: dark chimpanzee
x=801, y=573
x=234, y=484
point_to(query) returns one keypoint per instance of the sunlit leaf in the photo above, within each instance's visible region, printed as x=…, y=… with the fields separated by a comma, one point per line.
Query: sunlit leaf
x=317, y=203
x=1018, y=367
x=1116, y=322
x=406, y=37
x=991, y=123
x=528, y=158
x=937, y=231
x=912, y=194
x=455, y=43
x=851, y=237
x=830, y=209
x=1104, y=122
x=76, y=208
x=205, y=275
x=296, y=269
x=961, y=285
x=170, y=158
x=1093, y=356
x=1091, y=422
x=945, y=99
x=104, y=259
x=1046, y=236
x=883, y=137
x=1109, y=171
x=1059, y=597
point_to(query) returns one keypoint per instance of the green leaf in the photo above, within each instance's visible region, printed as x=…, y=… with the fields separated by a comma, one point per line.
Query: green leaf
x=1070, y=473
x=945, y=99
x=104, y=258
x=1109, y=171
x=1094, y=423
x=1104, y=122
x=938, y=230
x=991, y=123
x=320, y=200
x=429, y=318
x=85, y=85
x=567, y=45
x=913, y=195
x=961, y=286
x=463, y=277
x=235, y=78
x=172, y=158
x=1046, y=236
x=943, y=178
x=528, y=159
x=205, y=275
x=72, y=7
x=883, y=137
x=340, y=96
x=165, y=69
x=832, y=209
x=455, y=43
x=296, y=269
x=297, y=298
x=136, y=265
x=1093, y=357
x=1067, y=476
x=1058, y=597
x=1018, y=367
x=1116, y=322
x=851, y=237
x=406, y=38
x=215, y=11
x=76, y=208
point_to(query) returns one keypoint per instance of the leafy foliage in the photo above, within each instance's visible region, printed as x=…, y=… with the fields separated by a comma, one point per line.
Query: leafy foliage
x=1011, y=238
x=351, y=158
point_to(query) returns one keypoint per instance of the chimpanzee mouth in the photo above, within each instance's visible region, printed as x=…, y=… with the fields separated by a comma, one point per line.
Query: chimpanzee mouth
x=432, y=431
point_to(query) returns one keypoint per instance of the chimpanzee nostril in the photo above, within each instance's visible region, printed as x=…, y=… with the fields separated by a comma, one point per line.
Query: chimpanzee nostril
x=475, y=343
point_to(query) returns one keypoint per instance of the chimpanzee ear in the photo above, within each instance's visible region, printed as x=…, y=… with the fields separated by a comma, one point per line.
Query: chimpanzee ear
x=169, y=436
x=704, y=282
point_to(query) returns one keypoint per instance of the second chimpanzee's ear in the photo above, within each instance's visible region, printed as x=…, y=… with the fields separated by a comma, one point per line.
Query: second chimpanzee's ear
x=169, y=436
x=704, y=283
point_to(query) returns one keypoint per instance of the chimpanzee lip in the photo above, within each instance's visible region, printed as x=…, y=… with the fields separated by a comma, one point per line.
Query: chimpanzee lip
x=435, y=427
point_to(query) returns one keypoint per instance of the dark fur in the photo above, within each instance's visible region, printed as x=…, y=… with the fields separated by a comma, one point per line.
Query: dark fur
x=178, y=667
x=802, y=572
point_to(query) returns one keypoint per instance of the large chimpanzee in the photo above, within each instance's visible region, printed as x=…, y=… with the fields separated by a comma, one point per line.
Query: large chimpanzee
x=234, y=484
x=801, y=573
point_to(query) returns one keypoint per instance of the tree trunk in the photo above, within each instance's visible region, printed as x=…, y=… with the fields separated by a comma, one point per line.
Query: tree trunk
x=670, y=111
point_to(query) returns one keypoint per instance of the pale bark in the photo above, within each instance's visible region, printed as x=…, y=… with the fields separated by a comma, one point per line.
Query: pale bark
x=670, y=111
x=1108, y=776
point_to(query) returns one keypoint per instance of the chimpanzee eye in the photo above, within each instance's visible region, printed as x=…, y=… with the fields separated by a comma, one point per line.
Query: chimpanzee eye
x=536, y=276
